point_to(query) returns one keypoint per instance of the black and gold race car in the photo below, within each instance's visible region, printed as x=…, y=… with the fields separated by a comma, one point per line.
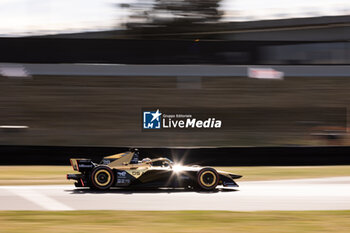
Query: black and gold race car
x=125, y=170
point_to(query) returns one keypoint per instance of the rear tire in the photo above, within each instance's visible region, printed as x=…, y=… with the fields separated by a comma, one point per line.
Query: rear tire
x=102, y=177
x=207, y=178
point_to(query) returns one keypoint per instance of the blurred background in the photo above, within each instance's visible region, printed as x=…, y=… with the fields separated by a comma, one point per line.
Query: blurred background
x=76, y=76
x=77, y=73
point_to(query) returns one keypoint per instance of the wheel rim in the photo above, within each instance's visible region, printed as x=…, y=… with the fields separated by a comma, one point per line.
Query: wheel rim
x=102, y=177
x=208, y=178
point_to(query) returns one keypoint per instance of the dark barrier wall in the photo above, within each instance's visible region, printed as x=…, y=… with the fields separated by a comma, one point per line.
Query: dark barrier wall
x=250, y=156
x=122, y=51
x=126, y=51
x=40, y=50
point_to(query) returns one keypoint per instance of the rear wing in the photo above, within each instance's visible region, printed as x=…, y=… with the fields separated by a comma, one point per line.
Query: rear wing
x=81, y=164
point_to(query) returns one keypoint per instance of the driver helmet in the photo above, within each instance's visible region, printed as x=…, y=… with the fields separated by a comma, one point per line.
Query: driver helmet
x=145, y=160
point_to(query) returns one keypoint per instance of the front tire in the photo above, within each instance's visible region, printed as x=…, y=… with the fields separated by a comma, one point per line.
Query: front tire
x=102, y=177
x=207, y=178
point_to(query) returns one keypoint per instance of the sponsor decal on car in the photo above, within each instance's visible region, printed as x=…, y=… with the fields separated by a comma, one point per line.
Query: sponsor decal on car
x=123, y=181
x=106, y=161
x=85, y=165
x=121, y=174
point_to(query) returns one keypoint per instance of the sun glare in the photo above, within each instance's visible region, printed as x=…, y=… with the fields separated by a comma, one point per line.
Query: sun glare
x=177, y=168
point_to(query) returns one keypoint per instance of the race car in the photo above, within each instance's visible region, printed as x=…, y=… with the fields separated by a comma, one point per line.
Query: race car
x=125, y=170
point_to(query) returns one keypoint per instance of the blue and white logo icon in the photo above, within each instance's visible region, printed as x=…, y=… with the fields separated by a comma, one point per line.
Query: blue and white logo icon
x=151, y=120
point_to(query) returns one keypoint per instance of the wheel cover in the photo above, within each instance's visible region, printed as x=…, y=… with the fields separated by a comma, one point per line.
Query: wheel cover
x=208, y=178
x=102, y=177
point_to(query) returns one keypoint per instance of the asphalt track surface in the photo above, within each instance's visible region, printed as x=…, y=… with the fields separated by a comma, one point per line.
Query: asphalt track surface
x=304, y=194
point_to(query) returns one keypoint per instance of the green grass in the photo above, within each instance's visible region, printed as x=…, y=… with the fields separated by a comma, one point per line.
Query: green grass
x=175, y=221
x=31, y=175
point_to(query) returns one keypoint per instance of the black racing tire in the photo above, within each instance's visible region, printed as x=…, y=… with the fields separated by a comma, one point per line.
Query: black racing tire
x=102, y=178
x=207, y=178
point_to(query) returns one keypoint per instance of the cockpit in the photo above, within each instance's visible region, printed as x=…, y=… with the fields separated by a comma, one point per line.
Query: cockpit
x=131, y=158
x=159, y=162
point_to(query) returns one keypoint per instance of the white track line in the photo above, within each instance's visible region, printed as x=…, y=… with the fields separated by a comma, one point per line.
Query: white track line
x=40, y=199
